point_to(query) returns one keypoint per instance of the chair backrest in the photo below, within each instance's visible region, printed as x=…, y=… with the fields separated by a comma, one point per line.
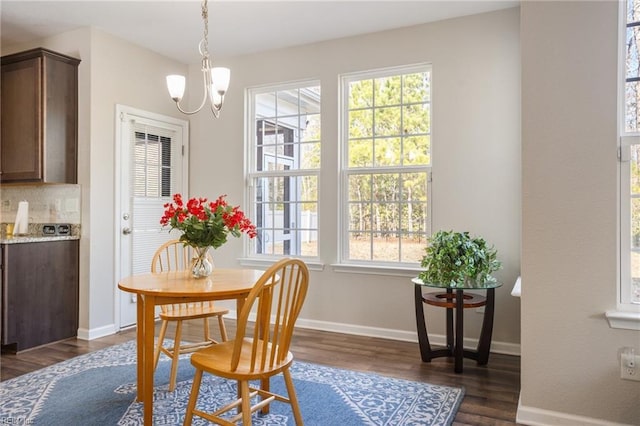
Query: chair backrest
x=173, y=256
x=280, y=293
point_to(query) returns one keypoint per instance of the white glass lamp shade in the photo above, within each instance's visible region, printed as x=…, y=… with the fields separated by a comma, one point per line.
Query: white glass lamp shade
x=215, y=98
x=220, y=77
x=176, y=84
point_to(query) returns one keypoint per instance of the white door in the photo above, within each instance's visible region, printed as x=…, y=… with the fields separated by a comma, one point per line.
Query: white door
x=152, y=167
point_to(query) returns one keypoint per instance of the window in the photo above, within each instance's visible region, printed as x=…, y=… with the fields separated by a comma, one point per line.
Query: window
x=152, y=162
x=386, y=165
x=284, y=168
x=629, y=292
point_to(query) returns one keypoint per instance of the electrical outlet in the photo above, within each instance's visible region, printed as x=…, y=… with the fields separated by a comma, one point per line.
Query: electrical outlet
x=629, y=364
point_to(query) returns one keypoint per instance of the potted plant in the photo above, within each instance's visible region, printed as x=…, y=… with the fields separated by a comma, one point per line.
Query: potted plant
x=455, y=259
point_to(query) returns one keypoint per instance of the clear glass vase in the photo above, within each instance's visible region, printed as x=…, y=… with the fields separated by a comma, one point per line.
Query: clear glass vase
x=201, y=266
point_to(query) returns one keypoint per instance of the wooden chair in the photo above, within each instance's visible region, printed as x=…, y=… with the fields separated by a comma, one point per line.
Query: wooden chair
x=171, y=256
x=259, y=351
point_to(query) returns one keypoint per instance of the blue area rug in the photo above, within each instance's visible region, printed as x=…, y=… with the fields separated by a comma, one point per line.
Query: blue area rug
x=100, y=388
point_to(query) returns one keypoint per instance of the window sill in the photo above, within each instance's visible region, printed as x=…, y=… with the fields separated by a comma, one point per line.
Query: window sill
x=627, y=320
x=264, y=263
x=398, y=271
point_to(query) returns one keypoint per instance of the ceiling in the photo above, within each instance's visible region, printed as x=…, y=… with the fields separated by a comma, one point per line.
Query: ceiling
x=174, y=28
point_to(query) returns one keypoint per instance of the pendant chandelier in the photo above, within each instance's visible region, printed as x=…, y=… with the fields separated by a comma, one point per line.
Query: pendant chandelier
x=216, y=79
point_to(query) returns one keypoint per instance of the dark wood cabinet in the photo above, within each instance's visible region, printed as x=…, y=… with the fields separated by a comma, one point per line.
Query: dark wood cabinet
x=39, y=293
x=39, y=117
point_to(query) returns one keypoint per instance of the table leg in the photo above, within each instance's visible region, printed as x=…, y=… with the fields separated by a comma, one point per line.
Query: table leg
x=450, y=334
x=484, y=344
x=149, y=331
x=459, y=349
x=423, y=339
x=140, y=346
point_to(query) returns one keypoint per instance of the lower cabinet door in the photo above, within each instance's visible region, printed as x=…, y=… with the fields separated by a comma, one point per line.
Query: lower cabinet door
x=40, y=293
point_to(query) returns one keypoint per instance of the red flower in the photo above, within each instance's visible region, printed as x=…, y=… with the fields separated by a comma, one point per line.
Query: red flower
x=206, y=224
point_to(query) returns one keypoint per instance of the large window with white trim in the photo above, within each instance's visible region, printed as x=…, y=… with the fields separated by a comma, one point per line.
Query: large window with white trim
x=386, y=165
x=284, y=168
x=630, y=160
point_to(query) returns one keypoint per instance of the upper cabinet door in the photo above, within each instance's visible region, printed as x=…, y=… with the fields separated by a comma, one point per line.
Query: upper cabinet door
x=20, y=146
x=39, y=117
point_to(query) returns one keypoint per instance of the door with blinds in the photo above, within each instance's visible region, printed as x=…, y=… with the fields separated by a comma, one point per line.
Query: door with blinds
x=153, y=167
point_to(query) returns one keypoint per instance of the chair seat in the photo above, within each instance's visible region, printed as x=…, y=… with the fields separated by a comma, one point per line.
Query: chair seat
x=192, y=312
x=215, y=360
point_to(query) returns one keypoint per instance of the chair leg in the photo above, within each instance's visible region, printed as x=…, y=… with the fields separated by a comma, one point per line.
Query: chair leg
x=163, y=331
x=246, y=402
x=193, y=397
x=176, y=355
x=223, y=329
x=265, y=385
x=207, y=335
x=293, y=399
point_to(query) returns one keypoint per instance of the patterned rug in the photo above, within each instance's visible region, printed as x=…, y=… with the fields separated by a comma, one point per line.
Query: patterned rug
x=99, y=389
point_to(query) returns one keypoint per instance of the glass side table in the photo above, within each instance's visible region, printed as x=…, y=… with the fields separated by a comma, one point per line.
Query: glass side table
x=455, y=299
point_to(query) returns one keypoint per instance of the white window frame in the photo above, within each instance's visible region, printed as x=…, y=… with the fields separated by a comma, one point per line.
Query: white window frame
x=262, y=260
x=627, y=314
x=370, y=266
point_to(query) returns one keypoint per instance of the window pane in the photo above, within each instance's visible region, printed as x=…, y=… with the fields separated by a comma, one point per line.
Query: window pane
x=635, y=277
x=388, y=90
x=360, y=123
x=417, y=151
x=416, y=87
x=387, y=121
x=632, y=98
x=361, y=94
x=633, y=36
x=412, y=248
x=416, y=119
x=386, y=187
x=360, y=188
x=360, y=153
x=310, y=125
x=388, y=151
x=360, y=246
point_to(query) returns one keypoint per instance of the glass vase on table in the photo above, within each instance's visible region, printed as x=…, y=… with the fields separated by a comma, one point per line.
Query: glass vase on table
x=201, y=266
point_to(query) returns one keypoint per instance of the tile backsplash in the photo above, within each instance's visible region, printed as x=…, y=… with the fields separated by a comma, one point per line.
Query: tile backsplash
x=47, y=203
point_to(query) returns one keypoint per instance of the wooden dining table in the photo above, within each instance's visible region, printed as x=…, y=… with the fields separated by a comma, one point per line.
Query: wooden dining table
x=162, y=288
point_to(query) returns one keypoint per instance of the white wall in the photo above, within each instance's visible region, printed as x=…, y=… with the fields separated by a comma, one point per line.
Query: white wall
x=570, y=368
x=476, y=171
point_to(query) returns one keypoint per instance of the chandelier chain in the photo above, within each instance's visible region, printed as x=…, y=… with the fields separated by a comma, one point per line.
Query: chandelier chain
x=205, y=39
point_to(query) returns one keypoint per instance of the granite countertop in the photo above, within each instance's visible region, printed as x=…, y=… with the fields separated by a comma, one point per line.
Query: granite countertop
x=10, y=239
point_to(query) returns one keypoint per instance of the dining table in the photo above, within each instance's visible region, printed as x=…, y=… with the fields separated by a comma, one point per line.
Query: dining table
x=153, y=289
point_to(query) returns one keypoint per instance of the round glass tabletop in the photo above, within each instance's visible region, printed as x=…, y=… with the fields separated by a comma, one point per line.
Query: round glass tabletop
x=458, y=286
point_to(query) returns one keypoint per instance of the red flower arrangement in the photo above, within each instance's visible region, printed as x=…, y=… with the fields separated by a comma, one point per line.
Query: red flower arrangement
x=206, y=224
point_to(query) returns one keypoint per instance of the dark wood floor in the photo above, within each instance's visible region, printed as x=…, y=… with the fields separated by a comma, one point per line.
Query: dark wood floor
x=491, y=391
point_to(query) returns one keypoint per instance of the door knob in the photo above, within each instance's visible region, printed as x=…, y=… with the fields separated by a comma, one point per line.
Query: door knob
x=126, y=231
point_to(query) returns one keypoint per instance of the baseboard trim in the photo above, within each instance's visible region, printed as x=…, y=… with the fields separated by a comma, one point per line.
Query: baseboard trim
x=357, y=330
x=405, y=336
x=95, y=333
x=401, y=335
x=532, y=416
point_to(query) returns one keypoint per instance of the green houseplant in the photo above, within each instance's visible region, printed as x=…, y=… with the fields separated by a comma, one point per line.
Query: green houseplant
x=455, y=258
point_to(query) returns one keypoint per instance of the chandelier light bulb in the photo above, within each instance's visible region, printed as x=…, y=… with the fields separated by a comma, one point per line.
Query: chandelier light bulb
x=175, y=84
